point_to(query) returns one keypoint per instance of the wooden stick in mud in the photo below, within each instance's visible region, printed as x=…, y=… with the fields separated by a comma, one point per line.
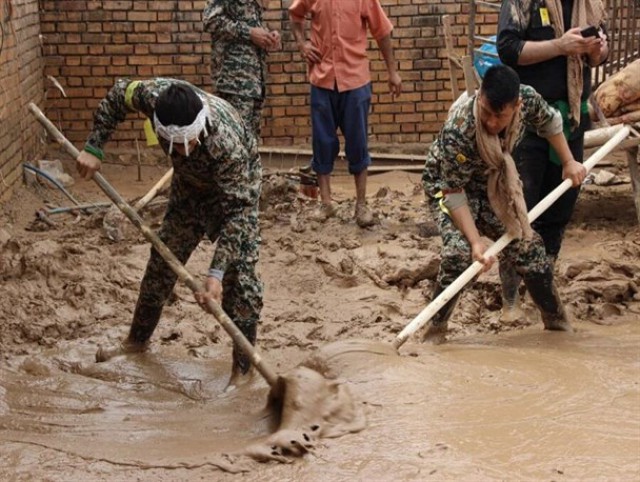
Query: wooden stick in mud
x=236, y=335
x=426, y=314
x=144, y=200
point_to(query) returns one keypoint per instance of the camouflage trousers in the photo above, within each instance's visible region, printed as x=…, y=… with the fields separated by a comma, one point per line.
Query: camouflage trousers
x=528, y=257
x=190, y=215
x=250, y=110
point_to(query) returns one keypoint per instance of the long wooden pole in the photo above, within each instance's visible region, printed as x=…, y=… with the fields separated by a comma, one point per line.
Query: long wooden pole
x=236, y=335
x=144, y=200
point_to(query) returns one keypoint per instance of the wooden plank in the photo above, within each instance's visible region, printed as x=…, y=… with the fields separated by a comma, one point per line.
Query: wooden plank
x=472, y=27
x=494, y=6
x=289, y=151
x=470, y=76
x=453, y=66
x=399, y=167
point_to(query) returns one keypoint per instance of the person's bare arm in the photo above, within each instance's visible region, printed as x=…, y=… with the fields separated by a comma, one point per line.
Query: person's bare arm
x=395, y=82
x=571, y=43
x=308, y=51
x=463, y=220
x=571, y=169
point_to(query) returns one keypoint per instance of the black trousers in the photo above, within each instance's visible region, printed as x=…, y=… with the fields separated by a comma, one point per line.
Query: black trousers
x=540, y=176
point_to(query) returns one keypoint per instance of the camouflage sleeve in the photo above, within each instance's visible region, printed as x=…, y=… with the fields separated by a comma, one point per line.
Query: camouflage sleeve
x=539, y=115
x=221, y=25
x=511, y=32
x=238, y=203
x=456, y=169
x=125, y=96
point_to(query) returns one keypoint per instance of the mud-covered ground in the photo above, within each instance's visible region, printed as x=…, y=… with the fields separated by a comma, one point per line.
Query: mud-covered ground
x=498, y=401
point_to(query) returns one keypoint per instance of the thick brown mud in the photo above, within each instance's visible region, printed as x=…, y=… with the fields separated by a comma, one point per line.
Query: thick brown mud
x=498, y=401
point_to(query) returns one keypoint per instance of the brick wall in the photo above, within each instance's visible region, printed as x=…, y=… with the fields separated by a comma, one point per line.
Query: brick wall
x=90, y=43
x=21, y=67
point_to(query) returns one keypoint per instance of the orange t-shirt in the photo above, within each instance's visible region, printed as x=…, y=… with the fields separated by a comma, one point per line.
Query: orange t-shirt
x=339, y=31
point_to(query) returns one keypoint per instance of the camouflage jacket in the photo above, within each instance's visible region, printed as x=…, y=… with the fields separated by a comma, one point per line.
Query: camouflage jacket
x=453, y=161
x=237, y=65
x=225, y=167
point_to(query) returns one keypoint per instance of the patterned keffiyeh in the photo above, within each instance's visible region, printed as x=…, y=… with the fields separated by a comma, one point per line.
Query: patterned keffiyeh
x=504, y=187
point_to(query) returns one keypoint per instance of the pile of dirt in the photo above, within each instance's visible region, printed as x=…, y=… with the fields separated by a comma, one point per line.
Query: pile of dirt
x=323, y=281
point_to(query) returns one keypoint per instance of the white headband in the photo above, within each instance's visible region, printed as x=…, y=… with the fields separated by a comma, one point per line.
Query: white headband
x=184, y=134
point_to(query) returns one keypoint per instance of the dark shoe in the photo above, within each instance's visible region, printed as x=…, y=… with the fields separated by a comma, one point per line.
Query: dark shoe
x=104, y=354
x=545, y=295
x=510, y=280
x=239, y=377
x=557, y=322
x=436, y=333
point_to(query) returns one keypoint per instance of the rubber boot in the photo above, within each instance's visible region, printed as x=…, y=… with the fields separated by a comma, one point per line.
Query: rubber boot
x=437, y=331
x=511, y=306
x=543, y=290
x=241, y=365
x=145, y=320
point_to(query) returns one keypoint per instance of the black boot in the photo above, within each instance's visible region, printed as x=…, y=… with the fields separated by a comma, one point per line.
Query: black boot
x=145, y=320
x=439, y=323
x=510, y=280
x=543, y=290
x=241, y=361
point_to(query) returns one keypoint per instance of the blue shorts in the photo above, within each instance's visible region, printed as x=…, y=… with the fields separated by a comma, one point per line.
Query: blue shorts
x=349, y=111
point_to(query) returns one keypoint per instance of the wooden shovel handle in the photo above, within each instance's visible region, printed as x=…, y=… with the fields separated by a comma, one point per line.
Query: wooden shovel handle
x=236, y=335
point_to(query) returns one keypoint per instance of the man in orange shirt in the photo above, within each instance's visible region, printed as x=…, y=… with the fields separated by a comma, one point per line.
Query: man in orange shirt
x=340, y=80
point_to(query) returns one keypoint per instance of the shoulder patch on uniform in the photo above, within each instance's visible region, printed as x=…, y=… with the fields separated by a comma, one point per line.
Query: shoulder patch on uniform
x=460, y=157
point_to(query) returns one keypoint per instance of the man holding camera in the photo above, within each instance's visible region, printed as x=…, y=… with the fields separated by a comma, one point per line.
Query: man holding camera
x=551, y=44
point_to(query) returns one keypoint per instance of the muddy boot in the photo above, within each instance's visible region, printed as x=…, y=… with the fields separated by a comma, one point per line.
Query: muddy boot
x=437, y=331
x=145, y=320
x=124, y=348
x=241, y=368
x=364, y=216
x=545, y=295
x=511, y=306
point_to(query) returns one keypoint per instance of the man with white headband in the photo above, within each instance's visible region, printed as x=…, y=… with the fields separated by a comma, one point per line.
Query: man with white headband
x=214, y=191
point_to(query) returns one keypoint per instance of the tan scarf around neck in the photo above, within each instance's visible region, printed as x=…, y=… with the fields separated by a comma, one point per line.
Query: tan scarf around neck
x=584, y=13
x=504, y=187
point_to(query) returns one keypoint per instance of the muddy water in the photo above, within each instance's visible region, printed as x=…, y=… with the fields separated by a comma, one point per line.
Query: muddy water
x=524, y=405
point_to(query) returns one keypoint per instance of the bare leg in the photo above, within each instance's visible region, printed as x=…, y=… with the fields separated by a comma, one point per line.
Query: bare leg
x=326, y=209
x=361, y=187
x=324, y=181
x=364, y=216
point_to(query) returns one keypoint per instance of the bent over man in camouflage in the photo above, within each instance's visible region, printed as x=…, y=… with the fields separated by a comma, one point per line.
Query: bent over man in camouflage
x=214, y=191
x=239, y=45
x=474, y=189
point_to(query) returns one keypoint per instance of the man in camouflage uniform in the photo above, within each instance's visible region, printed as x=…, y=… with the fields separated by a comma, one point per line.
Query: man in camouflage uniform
x=214, y=191
x=239, y=45
x=456, y=181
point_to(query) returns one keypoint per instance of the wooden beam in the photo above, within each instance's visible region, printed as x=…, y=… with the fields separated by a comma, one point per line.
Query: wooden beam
x=453, y=65
x=470, y=76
